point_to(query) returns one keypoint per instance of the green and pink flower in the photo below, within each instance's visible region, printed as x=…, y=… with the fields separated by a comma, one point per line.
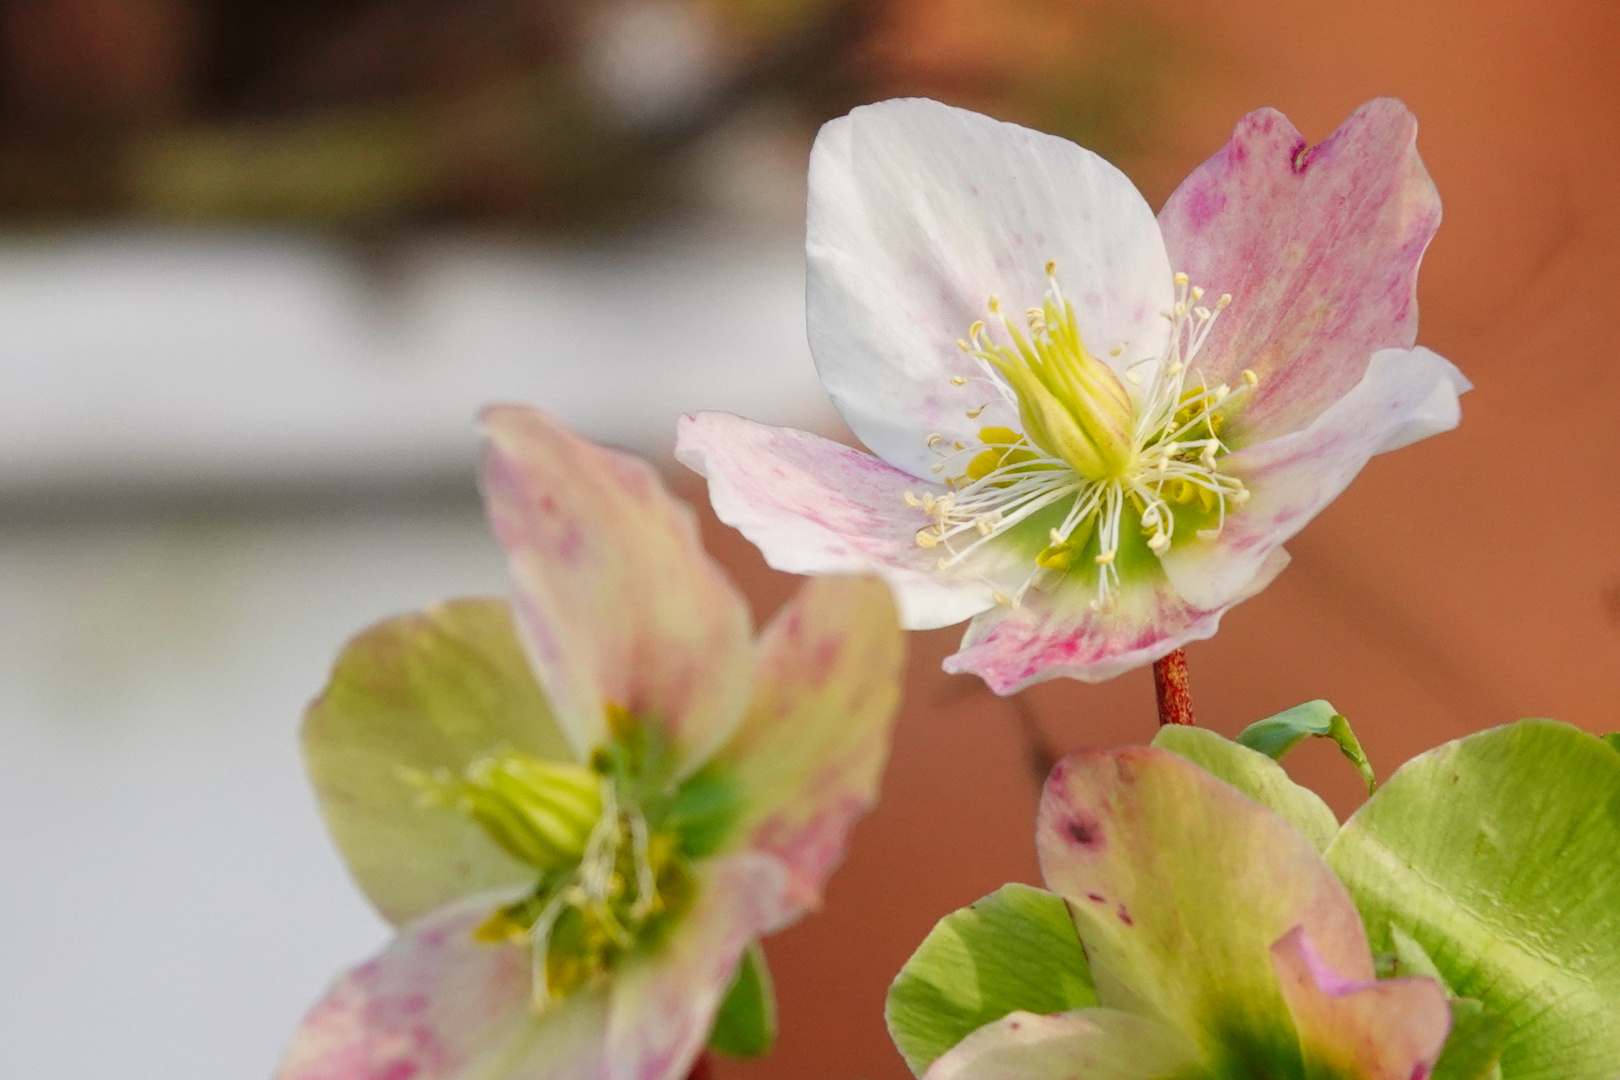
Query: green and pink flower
x=582, y=807
x=1092, y=430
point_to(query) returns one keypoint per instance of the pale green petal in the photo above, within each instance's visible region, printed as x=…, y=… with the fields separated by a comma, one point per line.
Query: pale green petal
x=1015, y=950
x=438, y=689
x=1256, y=775
x=1088, y=1044
x=1179, y=886
x=811, y=749
x=1498, y=854
x=1359, y=1030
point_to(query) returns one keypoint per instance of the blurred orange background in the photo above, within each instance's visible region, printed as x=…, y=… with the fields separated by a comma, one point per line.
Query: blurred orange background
x=1464, y=582
x=1467, y=581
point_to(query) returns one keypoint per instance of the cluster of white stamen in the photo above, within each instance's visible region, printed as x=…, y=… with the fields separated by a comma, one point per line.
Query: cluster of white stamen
x=1174, y=457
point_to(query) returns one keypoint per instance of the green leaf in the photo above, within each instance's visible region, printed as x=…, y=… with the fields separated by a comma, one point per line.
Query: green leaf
x=1014, y=949
x=1255, y=775
x=1276, y=735
x=436, y=690
x=1612, y=738
x=1498, y=855
x=745, y=1026
x=1474, y=1049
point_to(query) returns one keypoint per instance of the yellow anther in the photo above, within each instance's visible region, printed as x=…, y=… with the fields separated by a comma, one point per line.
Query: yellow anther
x=994, y=304
x=1116, y=350
x=1201, y=314
x=937, y=467
x=1158, y=542
x=1226, y=298
x=1239, y=497
x=956, y=444
x=912, y=500
x=1051, y=268
x=1106, y=558
x=1207, y=534
x=975, y=329
x=986, y=525
x=926, y=539
x=1221, y=393
x=1250, y=377
x=1197, y=292
x=959, y=380
x=1181, y=279
x=961, y=343
x=973, y=414
x=933, y=438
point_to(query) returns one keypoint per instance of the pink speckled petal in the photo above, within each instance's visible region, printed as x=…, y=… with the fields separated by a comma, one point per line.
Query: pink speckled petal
x=663, y=1006
x=1319, y=247
x=918, y=213
x=1179, y=886
x=1404, y=396
x=437, y=1005
x=811, y=751
x=1359, y=1029
x=1055, y=634
x=1086, y=1044
x=613, y=592
x=815, y=507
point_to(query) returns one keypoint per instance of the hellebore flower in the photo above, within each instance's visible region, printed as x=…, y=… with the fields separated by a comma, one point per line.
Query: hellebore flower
x=1093, y=430
x=583, y=807
x=1217, y=943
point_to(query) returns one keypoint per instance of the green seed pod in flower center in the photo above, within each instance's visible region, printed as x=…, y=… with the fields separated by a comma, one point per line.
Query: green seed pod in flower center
x=612, y=844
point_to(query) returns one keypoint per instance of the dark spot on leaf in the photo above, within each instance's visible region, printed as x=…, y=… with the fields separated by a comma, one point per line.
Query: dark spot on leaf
x=1125, y=916
x=1096, y=898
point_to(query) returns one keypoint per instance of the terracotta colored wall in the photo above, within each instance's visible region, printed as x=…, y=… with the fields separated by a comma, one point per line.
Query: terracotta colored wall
x=1464, y=582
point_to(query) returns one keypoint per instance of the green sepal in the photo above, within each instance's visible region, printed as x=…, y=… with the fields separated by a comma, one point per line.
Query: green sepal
x=1497, y=853
x=1612, y=738
x=1474, y=1049
x=705, y=808
x=745, y=1026
x=1276, y=735
x=1014, y=949
x=1255, y=775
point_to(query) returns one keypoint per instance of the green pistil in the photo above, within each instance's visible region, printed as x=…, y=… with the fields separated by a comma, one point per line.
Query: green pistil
x=612, y=845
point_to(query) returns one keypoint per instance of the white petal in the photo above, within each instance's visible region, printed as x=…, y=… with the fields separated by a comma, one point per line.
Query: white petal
x=918, y=213
x=1406, y=395
x=815, y=507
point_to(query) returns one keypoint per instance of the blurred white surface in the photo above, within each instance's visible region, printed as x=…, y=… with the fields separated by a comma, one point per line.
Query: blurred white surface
x=169, y=902
x=175, y=359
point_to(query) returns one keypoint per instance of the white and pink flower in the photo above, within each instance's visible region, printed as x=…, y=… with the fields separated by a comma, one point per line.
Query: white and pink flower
x=1091, y=430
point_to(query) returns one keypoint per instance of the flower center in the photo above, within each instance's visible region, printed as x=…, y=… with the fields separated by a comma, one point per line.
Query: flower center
x=1097, y=470
x=612, y=845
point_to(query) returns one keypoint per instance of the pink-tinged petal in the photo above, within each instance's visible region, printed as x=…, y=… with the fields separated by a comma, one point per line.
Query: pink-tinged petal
x=438, y=1005
x=812, y=506
x=1179, y=886
x=1359, y=1029
x=1319, y=247
x=663, y=1006
x=810, y=753
x=1405, y=395
x=617, y=600
x=918, y=213
x=1055, y=634
x=1086, y=1044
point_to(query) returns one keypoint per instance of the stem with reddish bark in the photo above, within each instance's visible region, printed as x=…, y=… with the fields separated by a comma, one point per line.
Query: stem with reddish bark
x=1174, y=693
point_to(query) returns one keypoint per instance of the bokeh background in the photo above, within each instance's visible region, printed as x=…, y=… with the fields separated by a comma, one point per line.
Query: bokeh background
x=260, y=260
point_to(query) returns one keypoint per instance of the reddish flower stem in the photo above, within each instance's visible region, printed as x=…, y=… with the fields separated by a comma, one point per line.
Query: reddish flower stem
x=702, y=1068
x=1171, y=686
